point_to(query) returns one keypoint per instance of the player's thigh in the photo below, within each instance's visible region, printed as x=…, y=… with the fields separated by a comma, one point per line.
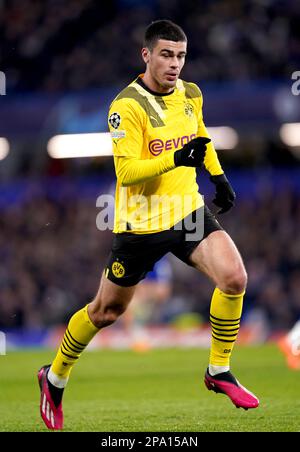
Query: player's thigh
x=218, y=257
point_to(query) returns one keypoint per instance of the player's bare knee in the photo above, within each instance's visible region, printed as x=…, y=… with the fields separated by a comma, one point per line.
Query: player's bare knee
x=106, y=314
x=235, y=283
x=112, y=312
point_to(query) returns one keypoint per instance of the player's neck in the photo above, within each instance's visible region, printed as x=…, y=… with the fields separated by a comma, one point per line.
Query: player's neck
x=153, y=87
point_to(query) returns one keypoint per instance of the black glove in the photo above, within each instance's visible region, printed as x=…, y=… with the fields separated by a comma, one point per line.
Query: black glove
x=225, y=195
x=192, y=153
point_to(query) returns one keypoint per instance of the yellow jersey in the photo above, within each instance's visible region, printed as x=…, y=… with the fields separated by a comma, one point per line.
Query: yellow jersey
x=147, y=128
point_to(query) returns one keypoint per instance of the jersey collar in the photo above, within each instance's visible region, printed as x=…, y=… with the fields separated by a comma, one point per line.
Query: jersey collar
x=139, y=81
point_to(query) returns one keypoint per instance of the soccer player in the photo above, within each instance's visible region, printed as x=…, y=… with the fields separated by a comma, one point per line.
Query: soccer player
x=289, y=344
x=159, y=139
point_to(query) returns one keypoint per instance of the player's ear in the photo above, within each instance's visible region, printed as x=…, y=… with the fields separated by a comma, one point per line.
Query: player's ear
x=146, y=54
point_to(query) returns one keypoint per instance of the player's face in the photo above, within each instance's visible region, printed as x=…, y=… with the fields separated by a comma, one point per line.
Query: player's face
x=164, y=64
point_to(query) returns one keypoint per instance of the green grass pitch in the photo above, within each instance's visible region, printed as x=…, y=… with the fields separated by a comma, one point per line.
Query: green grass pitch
x=160, y=390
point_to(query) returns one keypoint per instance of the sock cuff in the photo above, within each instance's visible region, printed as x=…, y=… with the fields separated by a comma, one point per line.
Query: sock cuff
x=55, y=380
x=228, y=295
x=88, y=320
x=215, y=369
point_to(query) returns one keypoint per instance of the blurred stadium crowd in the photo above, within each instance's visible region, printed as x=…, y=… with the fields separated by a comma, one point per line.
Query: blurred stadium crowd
x=57, y=44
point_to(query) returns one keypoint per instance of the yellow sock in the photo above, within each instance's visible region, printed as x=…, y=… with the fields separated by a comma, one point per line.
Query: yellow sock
x=225, y=315
x=80, y=331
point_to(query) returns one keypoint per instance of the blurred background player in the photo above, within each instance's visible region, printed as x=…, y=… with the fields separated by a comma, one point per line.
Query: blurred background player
x=147, y=303
x=289, y=344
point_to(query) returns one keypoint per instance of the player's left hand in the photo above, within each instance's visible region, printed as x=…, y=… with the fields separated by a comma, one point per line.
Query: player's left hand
x=225, y=195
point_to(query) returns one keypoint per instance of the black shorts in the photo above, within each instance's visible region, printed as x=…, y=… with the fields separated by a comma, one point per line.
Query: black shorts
x=134, y=255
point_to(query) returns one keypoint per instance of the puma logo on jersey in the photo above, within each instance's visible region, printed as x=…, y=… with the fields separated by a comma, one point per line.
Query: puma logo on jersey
x=152, y=118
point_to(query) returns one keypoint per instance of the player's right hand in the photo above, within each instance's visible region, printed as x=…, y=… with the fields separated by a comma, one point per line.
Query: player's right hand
x=192, y=153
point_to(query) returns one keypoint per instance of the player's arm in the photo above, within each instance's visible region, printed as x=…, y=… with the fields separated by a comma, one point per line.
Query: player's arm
x=225, y=195
x=211, y=160
x=130, y=171
x=126, y=126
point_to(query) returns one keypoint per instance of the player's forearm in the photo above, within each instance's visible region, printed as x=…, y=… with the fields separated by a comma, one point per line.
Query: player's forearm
x=211, y=161
x=133, y=171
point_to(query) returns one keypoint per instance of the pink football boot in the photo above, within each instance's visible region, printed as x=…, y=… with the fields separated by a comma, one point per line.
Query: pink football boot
x=226, y=383
x=52, y=415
